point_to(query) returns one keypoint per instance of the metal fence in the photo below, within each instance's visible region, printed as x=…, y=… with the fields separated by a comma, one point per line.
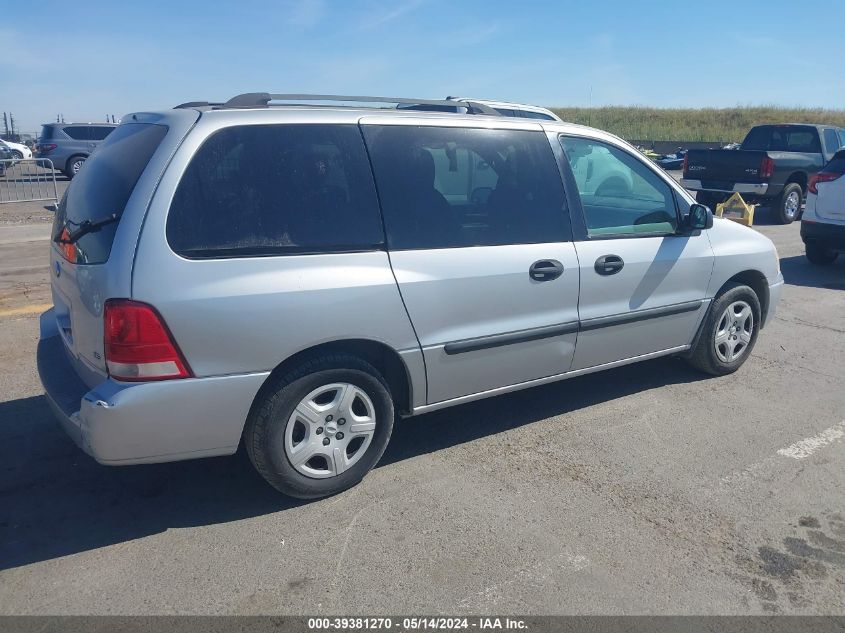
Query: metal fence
x=26, y=180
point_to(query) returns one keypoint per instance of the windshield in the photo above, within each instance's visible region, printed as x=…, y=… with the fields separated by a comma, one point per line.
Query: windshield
x=102, y=189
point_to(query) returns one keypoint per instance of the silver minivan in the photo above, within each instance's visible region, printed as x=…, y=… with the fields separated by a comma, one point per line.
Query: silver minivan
x=293, y=276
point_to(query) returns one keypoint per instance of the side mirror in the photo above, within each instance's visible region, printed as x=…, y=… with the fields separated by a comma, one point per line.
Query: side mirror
x=699, y=218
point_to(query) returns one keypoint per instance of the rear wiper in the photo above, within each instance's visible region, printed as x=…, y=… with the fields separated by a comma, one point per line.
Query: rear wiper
x=88, y=226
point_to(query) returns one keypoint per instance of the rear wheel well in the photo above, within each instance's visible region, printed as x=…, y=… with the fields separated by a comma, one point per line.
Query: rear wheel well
x=799, y=178
x=385, y=359
x=755, y=280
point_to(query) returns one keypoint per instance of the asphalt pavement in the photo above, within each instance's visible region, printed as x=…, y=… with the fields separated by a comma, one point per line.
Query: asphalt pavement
x=646, y=489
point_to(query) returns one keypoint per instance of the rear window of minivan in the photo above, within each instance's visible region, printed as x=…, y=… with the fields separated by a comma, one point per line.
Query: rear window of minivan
x=263, y=190
x=103, y=186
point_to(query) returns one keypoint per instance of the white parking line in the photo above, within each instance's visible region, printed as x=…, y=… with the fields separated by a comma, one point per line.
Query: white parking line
x=799, y=450
x=810, y=445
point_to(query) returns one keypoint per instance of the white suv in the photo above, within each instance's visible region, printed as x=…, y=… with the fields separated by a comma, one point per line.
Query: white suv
x=823, y=222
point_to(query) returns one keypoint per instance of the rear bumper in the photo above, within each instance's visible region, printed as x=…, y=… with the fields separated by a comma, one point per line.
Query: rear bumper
x=830, y=236
x=133, y=423
x=757, y=189
x=57, y=161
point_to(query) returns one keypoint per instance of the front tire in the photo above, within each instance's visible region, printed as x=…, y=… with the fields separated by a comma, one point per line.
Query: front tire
x=17, y=155
x=729, y=331
x=819, y=255
x=787, y=205
x=321, y=427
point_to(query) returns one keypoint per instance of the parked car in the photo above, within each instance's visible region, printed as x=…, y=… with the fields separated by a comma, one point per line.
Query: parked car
x=18, y=151
x=302, y=311
x=505, y=108
x=67, y=145
x=823, y=223
x=773, y=166
x=5, y=155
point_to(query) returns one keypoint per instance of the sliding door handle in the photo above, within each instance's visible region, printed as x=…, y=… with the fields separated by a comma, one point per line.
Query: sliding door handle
x=609, y=264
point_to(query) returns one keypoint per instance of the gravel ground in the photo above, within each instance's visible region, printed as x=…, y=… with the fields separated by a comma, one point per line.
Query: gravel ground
x=645, y=489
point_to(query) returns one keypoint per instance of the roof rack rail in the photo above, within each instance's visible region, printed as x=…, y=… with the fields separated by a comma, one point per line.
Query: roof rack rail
x=263, y=99
x=197, y=104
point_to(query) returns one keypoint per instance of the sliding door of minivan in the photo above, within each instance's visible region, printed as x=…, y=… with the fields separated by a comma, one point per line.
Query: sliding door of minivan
x=480, y=244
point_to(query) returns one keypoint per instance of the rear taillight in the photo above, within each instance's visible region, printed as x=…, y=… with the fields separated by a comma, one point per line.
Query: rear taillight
x=138, y=344
x=767, y=167
x=686, y=163
x=47, y=147
x=822, y=176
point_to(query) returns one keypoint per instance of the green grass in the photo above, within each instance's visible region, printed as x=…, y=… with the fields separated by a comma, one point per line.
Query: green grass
x=706, y=124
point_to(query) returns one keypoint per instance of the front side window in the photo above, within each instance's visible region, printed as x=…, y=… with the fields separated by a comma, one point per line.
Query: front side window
x=256, y=190
x=831, y=140
x=446, y=187
x=619, y=194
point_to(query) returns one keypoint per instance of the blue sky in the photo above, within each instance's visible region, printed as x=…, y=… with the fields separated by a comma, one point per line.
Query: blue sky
x=87, y=59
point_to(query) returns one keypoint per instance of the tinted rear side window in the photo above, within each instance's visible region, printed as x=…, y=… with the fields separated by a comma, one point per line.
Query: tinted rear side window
x=274, y=189
x=77, y=132
x=98, y=133
x=103, y=186
x=443, y=187
x=529, y=114
x=46, y=132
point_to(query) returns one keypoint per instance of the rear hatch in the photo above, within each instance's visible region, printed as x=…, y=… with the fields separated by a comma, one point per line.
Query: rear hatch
x=87, y=221
x=722, y=168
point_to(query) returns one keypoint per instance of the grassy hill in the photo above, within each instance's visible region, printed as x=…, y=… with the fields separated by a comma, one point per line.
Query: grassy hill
x=706, y=124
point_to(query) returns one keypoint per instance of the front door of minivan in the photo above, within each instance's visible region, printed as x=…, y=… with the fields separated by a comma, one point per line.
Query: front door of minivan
x=643, y=284
x=480, y=244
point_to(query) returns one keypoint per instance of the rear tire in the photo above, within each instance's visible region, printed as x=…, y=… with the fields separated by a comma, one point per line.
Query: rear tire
x=275, y=431
x=819, y=255
x=787, y=206
x=727, y=334
x=73, y=166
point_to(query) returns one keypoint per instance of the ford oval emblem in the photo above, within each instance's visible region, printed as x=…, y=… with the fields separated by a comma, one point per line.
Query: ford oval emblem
x=58, y=269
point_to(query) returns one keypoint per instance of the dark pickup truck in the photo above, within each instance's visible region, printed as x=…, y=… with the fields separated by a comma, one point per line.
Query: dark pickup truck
x=772, y=167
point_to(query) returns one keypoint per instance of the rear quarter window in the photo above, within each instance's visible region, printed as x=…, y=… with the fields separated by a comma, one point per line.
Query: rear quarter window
x=103, y=186
x=259, y=190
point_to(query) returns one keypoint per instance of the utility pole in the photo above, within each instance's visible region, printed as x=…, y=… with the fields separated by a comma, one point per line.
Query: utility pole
x=12, y=123
x=5, y=124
